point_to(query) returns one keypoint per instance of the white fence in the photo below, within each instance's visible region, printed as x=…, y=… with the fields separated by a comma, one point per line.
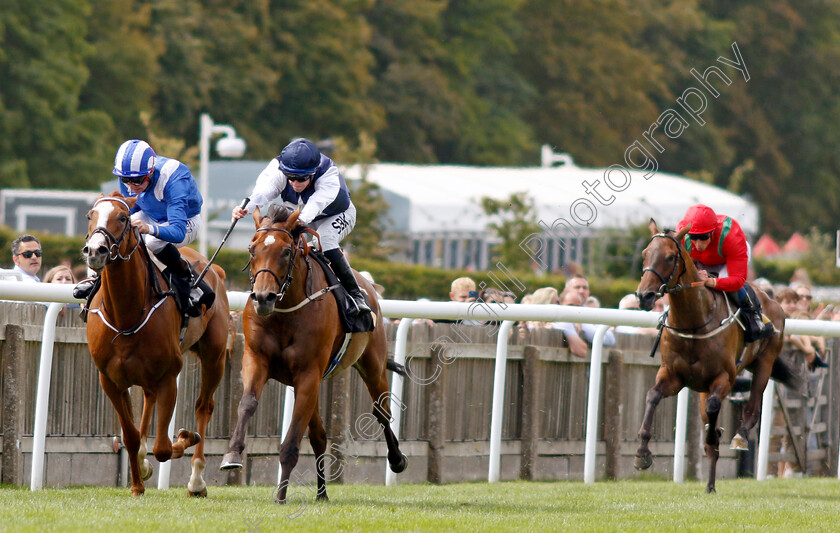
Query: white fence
x=506, y=314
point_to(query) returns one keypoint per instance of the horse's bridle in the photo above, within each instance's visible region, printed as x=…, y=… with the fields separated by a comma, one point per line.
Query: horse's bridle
x=113, y=242
x=666, y=287
x=287, y=280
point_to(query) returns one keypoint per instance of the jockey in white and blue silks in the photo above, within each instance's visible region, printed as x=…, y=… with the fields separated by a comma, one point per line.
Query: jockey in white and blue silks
x=167, y=213
x=303, y=177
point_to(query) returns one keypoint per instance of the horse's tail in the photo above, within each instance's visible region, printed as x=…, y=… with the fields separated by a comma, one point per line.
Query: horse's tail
x=394, y=366
x=784, y=374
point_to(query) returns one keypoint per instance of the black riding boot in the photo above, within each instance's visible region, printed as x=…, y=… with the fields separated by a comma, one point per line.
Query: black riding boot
x=179, y=275
x=755, y=327
x=345, y=274
x=82, y=289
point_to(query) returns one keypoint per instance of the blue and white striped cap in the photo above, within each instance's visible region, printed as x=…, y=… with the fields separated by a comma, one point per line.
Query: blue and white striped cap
x=135, y=158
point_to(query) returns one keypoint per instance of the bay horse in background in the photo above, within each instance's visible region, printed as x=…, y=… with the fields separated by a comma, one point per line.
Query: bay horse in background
x=292, y=329
x=133, y=331
x=703, y=346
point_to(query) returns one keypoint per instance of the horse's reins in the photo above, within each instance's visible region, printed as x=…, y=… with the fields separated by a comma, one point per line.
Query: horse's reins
x=287, y=280
x=114, y=254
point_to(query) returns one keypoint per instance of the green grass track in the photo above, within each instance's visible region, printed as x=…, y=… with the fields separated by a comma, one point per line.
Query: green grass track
x=811, y=505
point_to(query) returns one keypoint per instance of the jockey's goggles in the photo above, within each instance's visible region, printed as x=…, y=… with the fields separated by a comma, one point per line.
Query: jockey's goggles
x=134, y=180
x=700, y=237
x=299, y=177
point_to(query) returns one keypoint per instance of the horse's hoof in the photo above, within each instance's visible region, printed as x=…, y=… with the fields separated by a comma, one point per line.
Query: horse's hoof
x=197, y=494
x=149, y=470
x=643, y=462
x=189, y=436
x=322, y=497
x=739, y=443
x=711, y=490
x=400, y=465
x=230, y=461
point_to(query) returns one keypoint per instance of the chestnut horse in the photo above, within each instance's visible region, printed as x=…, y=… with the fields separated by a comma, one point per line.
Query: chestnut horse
x=703, y=345
x=294, y=343
x=133, y=331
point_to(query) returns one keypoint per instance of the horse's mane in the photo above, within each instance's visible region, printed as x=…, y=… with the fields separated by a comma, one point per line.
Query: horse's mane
x=281, y=213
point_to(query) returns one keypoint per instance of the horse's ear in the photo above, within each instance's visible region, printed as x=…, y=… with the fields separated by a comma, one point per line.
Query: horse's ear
x=293, y=219
x=131, y=200
x=682, y=232
x=652, y=227
x=257, y=217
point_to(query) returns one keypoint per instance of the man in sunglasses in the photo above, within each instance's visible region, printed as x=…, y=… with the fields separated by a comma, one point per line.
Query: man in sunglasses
x=304, y=177
x=718, y=246
x=26, y=255
x=167, y=214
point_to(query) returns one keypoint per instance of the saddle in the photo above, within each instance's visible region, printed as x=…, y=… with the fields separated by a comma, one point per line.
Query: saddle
x=359, y=324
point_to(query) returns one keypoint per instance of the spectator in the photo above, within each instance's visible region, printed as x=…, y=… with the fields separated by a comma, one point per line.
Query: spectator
x=463, y=290
x=804, y=302
x=578, y=283
x=26, y=255
x=543, y=296
x=64, y=275
x=59, y=274
x=592, y=302
x=573, y=333
x=631, y=301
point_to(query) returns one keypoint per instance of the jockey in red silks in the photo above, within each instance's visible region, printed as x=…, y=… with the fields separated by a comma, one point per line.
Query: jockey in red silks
x=718, y=246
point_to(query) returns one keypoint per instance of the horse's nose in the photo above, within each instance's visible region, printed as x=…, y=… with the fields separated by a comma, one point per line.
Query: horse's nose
x=646, y=300
x=263, y=302
x=100, y=250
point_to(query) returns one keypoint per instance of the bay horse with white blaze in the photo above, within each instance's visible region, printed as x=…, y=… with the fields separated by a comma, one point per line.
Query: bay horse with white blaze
x=133, y=331
x=703, y=346
x=292, y=329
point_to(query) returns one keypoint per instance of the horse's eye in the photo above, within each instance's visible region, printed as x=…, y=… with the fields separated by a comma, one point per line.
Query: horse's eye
x=251, y=249
x=671, y=257
x=87, y=216
x=287, y=252
x=123, y=218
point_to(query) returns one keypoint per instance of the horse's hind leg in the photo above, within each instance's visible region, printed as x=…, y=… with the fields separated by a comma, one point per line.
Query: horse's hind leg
x=212, y=370
x=146, y=469
x=752, y=410
x=318, y=441
x=666, y=385
x=378, y=388
x=131, y=437
x=254, y=377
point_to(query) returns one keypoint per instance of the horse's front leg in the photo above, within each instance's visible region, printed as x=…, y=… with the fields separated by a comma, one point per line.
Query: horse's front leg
x=306, y=402
x=666, y=385
x=710, y=404
x=254, y=378
x=121, y=401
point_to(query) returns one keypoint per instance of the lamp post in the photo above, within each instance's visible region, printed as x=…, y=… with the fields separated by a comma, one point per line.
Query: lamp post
x=228, y=146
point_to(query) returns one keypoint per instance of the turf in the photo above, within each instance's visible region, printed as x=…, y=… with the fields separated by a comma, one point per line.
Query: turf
x=811, y=505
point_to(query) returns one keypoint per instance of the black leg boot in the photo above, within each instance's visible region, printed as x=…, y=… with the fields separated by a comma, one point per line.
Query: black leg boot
x=345, y=275
x=83, y=289
x=179, y=276
x=756, y=329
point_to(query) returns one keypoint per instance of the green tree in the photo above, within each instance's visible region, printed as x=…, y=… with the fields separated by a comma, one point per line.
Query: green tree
x=46, y=140
x=516, y=220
